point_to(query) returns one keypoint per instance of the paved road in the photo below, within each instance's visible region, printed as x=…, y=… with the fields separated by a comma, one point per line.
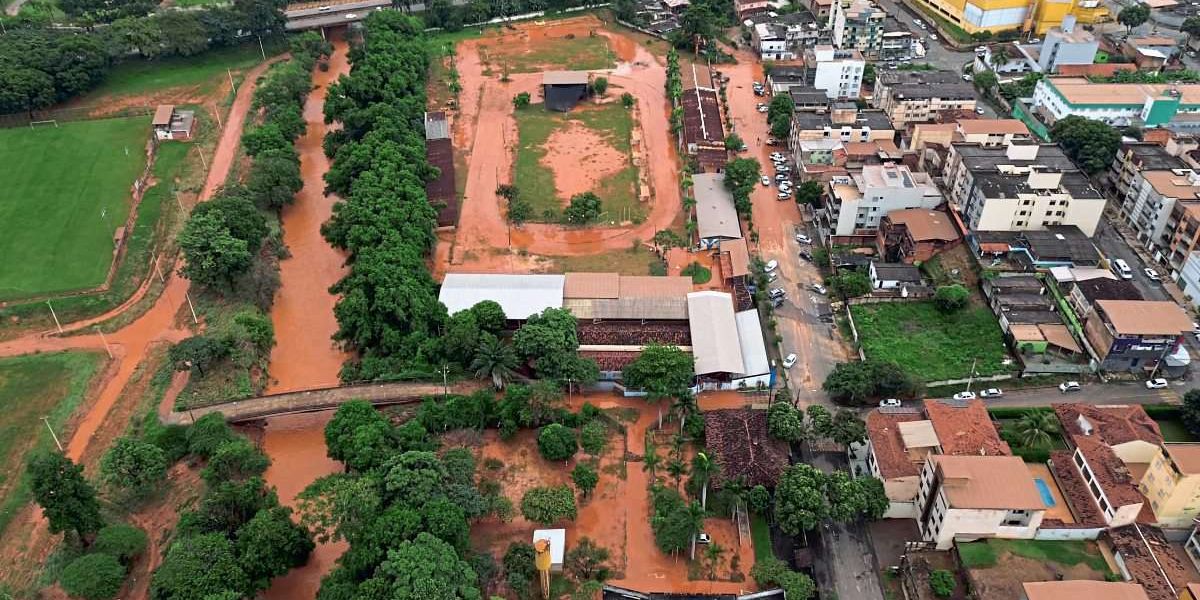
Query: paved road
x=848, y=566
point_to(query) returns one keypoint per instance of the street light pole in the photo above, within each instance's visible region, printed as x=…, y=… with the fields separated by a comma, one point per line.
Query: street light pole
x=46, y=420
x=445, y=383
x=52, y=314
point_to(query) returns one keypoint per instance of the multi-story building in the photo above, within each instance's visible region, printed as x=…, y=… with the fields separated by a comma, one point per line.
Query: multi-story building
x=1135, y=157
x=1141, y=336
x=784, y=37
x=1020, y=186
x=858, y=25
x=838, y=72
x=1066, y=45
x=962, y=498
x=1189, y=279
x=858, y=202
x=897, y=41
x=1149, y=207
x=770, y=40
x=1119, y=104
x=1172, y=484
x=1108, y=481
x=844, y=122
x=991, y=132
x=1125, y=428
x=919, y=96
x=995, y=16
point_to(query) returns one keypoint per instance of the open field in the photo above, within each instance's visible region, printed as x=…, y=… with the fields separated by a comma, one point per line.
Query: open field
x=930, y=345
x=66, y=189
x=205, y=72
x=554, y=146
x=998, y=567
x=32, y=387
x=536, y=50
x=627, y=262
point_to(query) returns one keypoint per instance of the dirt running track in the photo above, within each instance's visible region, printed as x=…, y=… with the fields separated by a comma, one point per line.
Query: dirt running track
x=486, y=126
x=129, y=345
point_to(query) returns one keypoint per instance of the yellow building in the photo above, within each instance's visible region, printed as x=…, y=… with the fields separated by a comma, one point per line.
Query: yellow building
x=975, y=16
x=1172, y=484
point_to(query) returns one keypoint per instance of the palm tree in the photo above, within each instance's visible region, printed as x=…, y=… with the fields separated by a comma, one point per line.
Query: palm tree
x=683, y=406
x=712, y=555
x=702, y=469
x=1000, y=56
x=494, y=359
x=1036, y=428
x=651, y=459
x=677, y=468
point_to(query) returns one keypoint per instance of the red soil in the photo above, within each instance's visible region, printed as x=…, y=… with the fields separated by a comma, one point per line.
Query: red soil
x=580, y=159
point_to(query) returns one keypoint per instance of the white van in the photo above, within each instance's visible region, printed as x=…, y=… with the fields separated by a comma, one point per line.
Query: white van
x=1121, y=268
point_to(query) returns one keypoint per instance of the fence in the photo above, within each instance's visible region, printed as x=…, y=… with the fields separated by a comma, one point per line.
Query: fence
x=79, y=113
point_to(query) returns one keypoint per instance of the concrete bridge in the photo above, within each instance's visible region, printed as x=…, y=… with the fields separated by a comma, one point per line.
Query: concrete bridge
x=316, y=400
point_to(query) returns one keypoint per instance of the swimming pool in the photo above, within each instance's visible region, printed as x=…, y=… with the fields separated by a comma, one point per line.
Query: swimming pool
x=1044, y=490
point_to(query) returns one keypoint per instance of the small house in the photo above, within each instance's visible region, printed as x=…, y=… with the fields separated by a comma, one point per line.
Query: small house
x=171, y=124
x=894, y=275
x=562, y=90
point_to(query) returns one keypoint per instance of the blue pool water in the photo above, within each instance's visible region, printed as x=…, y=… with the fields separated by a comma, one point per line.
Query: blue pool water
x=1044, y=490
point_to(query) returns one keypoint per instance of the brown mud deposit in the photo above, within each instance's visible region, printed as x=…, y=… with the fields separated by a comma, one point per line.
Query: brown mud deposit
x=580, y=159
x=485, y=130
x=305, y=355
x=296, y=445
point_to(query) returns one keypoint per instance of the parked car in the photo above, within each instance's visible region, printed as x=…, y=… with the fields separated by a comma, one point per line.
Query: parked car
x=806, y=255
x=818, y=288
x=804, y=239
x=772, y=277
x=979, y=110
x=776, y=292
x=765, y=180
x=967, y=395
x=991, y=393
x=1156, y=384
x=772, y=141
x=889, y=403
x=1152, y=274
x=789, y=360
x=980, y=49
x=776, y=156
x=777, y=302
x=783, y=195
x=771, y=266
x=781, y=177
x=1069, y=386
x=933, y=36
x=704, y=538
x=762, y=108
x=967, y=77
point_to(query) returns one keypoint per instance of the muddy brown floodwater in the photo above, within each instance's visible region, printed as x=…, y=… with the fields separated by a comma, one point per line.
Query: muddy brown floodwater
x=305, y=355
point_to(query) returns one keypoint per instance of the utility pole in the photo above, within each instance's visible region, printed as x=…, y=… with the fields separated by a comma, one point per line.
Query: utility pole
x=232, y=85
x=46, y=420
x=202, y=160
x=187, y=296
x=217, y=112
x=260, y=48
x=52, y=314
x=107, y=348
x=445, y=383
x=971, y=377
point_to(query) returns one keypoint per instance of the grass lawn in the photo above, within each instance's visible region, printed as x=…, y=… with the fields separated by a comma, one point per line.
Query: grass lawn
x=760, y=533
x=206, y=69
x=1174, y=431
x=581, y=53
x=627, y=262
x=698, y=272
x=984, y=554
x=535, y=125
x=928, y=344
x=32, y=387
x=64, y=191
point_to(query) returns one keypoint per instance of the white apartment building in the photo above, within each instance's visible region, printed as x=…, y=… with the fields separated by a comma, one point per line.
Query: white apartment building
x=974, y=497
x=1151, y=199
x=857, y=25
x=860, y=200
x=1021, y=186
x=838, y=72
x=770, y=39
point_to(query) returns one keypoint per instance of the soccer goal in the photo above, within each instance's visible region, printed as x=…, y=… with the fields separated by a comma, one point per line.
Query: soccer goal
x=47, y=122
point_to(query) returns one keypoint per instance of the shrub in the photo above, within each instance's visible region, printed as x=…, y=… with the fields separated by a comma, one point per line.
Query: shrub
x=592, y=437
x=556, y=442
x=950, y=298
x=123, y=541
x=941, y=582
x=94, y=576
x=548, y=505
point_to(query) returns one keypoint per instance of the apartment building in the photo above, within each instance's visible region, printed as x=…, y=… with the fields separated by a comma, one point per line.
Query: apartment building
x=974, y=497
x=858, y=25
x=1020, y=186
x=1140, y=336
x=1135, y=157
x=1118, y=104
x=1108, y=480
x=838, y=72
x=857, y=202
x=1149, y=209
x=920, y=96
x=843, y=122
x=991, y=132
x=1172, y=484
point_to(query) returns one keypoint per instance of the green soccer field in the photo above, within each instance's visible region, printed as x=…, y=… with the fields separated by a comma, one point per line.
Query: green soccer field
x=63, y=193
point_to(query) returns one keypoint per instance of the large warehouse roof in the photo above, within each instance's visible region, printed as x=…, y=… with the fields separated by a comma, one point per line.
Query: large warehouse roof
x=713, y=327
x=716, y=216
x=519, y=295
x=750, y=338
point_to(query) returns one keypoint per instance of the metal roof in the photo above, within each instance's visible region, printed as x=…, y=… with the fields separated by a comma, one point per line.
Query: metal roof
x=162, y=114
x=716, y=216
x=565, y=78
x=436, y=126
x=628, y=308
x=750, y=338
x=519, y=295
x=714, y=328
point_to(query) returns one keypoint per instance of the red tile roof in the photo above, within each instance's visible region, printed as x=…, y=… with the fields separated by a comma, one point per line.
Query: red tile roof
x=965, y=428
x=1112, y=424
x=1150, y=560
x=1110, y=472
x=890, y=454
x=1074, y=490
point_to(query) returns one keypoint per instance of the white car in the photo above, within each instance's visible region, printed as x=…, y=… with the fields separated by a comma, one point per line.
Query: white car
x=765, y=180
x=772, y=277
x=783, y=195
x=979, y=110
x=1069, y=386
x=804, y=239
x=967, y=77
x=889, y=403
x=781, y=177
x=991, y=393
x=820, y=289
x=771, y=266
x=1156, y=384
x=762, y=108
x=980, y=49
x=789, y=360
x=1152, y=274
x=965, y=396
x=704, y=538
x=776, y=156
x=933, y=36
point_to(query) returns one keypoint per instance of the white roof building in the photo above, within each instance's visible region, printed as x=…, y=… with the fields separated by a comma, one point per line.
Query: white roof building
x=714, y=330
x=716, y=216
x=521, y=296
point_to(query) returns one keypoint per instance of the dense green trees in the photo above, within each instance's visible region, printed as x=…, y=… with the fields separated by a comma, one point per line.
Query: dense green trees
x=675, y=521
x=134, y=467
x=548, y=505
x=772, y=572
x=549, y=341
x=779, y=115
x=1132, y=16
x=951, y=298
x=556, y=442
x=856, y=383
x=93, y=577
x=1091, y=144
x=741, y=175
x=584, y=208
x=805, y=497
x=585, y=478
x=68, y=501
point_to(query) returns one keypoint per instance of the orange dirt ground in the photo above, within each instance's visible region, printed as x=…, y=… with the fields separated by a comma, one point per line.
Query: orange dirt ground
x=580, y=159
x=486, y=132
x=616, y=517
